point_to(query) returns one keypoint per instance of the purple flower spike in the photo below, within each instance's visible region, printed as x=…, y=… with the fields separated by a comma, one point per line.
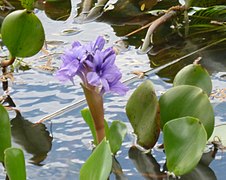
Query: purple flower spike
x=95, y=66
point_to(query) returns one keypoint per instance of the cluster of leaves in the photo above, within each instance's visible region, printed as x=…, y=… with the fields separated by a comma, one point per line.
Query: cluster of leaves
x=183, y=113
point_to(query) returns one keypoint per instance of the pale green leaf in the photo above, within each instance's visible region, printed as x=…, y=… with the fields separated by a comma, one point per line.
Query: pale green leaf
x=98, y=165
x=15, y=164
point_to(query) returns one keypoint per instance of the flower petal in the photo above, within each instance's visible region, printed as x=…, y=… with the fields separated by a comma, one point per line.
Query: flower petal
x=93, y=79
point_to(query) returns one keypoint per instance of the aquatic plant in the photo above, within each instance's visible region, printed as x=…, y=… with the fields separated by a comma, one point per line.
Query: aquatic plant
x=96, y=68
x=98, y=72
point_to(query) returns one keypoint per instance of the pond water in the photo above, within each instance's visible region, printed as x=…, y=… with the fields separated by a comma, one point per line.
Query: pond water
x=57, y=148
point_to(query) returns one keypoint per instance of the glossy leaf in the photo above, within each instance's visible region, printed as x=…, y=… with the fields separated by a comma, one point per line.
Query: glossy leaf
x=99, y=164
x=5, y=132
x=219, y=133
x=22, y=33
x=195, y=75
x=15, y=164
x=141, y=109
x=89, y=121
x=184, y=142
x=186, y=100
x=116, y=135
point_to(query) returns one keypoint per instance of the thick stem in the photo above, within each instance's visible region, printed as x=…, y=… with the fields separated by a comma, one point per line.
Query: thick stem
x=5, y=63
x=95, y=103
x=172, y=12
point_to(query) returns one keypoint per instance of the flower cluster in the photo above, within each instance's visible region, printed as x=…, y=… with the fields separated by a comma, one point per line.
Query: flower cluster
x=94, y=65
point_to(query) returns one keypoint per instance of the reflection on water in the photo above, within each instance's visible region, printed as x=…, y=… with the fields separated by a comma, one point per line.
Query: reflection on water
x=34, y=138
x=150, y=169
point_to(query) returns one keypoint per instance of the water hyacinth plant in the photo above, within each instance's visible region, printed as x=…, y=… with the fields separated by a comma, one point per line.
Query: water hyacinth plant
x=98, y=72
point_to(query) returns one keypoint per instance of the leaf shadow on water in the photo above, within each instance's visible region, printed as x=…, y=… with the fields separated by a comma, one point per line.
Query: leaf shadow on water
x=34, y=138
x=150, y=169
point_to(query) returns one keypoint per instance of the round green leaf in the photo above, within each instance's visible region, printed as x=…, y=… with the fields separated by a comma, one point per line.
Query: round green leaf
x=15, y=164
x=196, y=75
x=99, y=164
x=184, y=142
x=22, y=33
x=5, y=132
x=142, y=110
x=186, y=100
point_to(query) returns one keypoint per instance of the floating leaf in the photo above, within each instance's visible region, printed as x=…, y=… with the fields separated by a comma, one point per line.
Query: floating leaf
x=186, y=100
x=141, y=109
x=15, y=164
x=22, y=33
x=116, y=135
x=184, y=142
x=196, y=75
x=99, y=164
x=89, y=121
x=5, y=132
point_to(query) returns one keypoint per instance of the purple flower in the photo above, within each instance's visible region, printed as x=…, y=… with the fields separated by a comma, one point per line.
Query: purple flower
x=95, y=66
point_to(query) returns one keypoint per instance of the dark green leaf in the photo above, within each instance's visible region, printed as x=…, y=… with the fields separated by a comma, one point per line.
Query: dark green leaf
x=141, y=109
x=195, y=75
x=184, y=142
x=205, y=16
x=186, y=100
x=99, y=164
